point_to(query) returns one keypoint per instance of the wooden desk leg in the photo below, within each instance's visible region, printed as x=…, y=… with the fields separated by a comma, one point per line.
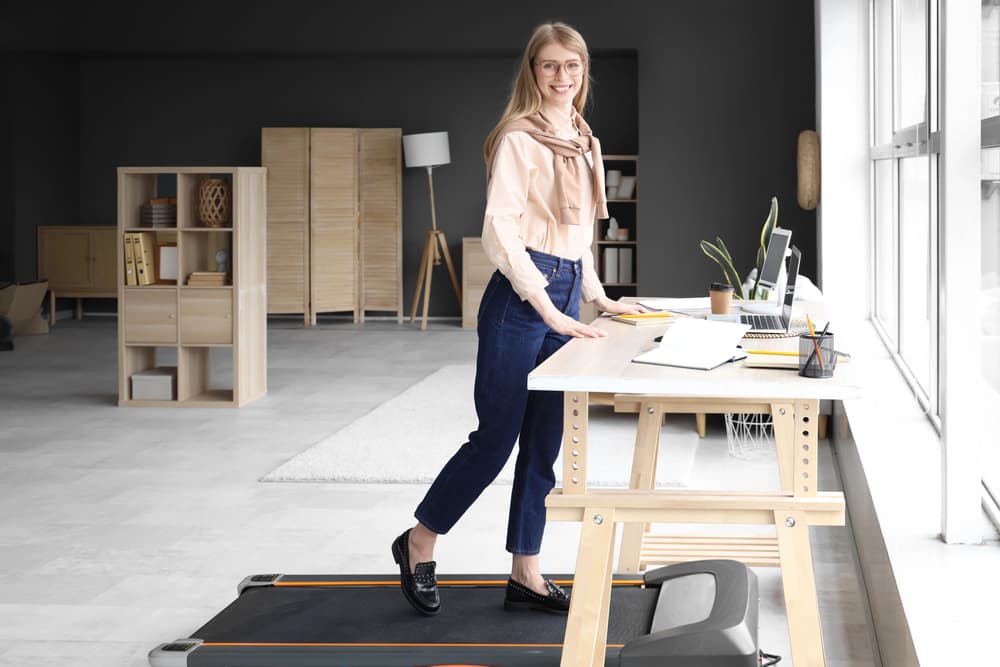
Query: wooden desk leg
x=576, y=424
x=647, y=447
x=699, y=424
x=799, y=584
x=79, y=308
x=782, y=420
x=52, y=308
x=586, y=638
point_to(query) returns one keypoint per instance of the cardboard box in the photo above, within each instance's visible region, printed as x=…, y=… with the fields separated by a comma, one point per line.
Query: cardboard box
x=154, y=384
x=22, y=303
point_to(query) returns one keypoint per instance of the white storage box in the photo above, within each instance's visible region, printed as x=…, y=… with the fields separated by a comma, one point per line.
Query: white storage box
x=155, y=384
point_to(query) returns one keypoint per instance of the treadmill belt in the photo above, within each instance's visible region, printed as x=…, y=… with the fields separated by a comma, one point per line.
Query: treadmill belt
x=380, y=614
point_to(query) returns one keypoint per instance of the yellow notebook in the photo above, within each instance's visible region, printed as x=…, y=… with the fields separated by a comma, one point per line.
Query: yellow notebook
x=645, y=319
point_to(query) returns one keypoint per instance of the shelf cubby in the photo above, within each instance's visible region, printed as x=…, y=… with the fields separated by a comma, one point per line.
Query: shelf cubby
x=206, y=375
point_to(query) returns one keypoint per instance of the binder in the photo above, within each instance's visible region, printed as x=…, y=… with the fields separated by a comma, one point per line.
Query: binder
x=142, y=249
x=611, y=265
x=140, y=266
x=625, y=265
x=129, y=260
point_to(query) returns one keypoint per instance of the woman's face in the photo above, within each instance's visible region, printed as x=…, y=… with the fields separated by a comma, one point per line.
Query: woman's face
x=558, y=74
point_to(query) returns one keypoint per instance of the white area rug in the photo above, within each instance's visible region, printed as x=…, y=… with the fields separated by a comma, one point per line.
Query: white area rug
x=410, y=437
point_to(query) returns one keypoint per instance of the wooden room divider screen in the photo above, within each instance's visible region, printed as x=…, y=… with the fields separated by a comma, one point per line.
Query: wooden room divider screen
x=334, y=220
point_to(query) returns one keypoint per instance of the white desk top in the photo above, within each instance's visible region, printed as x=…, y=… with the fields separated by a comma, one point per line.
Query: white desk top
x=605, y=365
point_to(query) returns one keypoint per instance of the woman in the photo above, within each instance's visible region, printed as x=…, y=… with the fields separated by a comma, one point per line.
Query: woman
x=545, y=187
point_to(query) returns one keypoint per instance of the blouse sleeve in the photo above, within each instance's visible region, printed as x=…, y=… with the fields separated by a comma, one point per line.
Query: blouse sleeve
x=592, y=288
x=506, y=200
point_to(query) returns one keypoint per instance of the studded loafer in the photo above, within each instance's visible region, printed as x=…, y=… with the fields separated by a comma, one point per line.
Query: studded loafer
x=419, y=587
x=521, y=598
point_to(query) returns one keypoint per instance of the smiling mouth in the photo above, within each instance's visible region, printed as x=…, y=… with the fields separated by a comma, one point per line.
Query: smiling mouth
x=561, y=89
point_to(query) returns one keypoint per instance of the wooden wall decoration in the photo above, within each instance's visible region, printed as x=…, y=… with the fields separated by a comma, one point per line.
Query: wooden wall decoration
x=808, y=170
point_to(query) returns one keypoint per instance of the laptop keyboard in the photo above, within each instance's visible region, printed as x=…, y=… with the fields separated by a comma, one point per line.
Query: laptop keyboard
x=762, y=321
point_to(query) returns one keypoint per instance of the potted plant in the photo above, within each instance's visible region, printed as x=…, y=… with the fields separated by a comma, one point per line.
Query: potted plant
x=719, y=253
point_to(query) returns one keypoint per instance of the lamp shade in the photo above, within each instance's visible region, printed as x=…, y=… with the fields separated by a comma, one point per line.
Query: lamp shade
x=429, y=149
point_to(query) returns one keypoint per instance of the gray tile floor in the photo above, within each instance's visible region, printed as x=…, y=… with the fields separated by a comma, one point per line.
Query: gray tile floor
x=123, y=528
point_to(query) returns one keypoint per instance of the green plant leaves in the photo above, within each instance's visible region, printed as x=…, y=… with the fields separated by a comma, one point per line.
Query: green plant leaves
x=765, y=232
x=720, y=255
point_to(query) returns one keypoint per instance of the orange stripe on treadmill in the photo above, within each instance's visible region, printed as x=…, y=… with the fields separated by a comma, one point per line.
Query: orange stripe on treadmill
x=383, y=645
x=456, y=582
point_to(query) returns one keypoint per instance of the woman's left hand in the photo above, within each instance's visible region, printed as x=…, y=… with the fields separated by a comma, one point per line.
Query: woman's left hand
x=606, y=305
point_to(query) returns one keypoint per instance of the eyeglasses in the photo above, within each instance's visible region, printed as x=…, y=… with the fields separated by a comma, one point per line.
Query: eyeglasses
x=551, y=67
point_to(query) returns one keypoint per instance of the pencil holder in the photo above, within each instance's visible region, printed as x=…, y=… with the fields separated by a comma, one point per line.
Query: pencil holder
x=817, y=358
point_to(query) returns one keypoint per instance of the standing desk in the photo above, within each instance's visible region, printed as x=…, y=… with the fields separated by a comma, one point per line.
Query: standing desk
x=592, y=369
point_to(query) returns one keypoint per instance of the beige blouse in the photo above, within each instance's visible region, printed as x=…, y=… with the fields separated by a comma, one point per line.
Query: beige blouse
x=522, y=212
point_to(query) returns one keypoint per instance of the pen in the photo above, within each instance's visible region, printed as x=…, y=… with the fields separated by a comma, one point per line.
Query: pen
x=812, y=332
x=821, y=336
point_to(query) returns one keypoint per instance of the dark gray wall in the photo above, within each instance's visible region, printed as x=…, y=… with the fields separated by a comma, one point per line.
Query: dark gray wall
x=39, y=156
x=722, y=98
x=181, y=115
x=8, y=267
x=711, y=97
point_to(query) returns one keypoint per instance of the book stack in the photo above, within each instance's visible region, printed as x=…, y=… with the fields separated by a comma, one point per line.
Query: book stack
x=208, y=279
x=159, y=213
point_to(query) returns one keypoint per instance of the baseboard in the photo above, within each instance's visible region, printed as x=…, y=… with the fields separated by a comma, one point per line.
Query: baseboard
x=892, y=631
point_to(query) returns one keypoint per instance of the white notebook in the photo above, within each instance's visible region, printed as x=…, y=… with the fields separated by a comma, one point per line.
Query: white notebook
x=696, y=343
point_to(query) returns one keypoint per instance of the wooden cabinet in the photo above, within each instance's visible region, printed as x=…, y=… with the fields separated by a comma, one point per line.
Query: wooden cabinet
x=78, y=262
x=476, y=273
x=334, y=220
x=211, y=339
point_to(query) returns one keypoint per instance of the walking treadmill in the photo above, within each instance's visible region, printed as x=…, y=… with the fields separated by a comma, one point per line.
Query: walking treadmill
x=696, y=614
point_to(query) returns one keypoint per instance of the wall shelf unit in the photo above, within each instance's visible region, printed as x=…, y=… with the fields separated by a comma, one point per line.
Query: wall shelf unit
x=617, y=261
x=208, y=340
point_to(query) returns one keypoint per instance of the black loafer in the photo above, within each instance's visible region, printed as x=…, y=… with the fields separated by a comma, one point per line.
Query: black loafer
x=521, y=598
x=420, y=587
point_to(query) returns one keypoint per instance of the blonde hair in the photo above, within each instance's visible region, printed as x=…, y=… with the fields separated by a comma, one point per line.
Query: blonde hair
x=526, y=98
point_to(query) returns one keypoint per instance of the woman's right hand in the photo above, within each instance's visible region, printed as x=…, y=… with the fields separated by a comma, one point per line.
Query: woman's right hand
x=566, y=325
x=560, y=322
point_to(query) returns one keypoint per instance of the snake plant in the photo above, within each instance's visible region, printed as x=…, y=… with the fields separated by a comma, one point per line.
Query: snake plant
x=719, y=253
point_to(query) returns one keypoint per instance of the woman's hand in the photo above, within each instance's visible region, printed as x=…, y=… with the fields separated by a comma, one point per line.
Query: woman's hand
x=566, y=325
x=560, y=322
x=606, y=305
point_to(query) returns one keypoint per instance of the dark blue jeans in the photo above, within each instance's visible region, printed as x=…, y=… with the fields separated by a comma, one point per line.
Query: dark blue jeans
x=513, y=340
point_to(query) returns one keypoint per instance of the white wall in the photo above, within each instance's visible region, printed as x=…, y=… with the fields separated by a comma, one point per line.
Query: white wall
x=844, y=212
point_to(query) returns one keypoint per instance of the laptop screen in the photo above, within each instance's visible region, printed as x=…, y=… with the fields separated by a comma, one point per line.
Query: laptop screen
x=793, y=274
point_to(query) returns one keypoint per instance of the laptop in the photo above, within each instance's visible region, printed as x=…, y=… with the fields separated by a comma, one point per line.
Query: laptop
x=778, y=324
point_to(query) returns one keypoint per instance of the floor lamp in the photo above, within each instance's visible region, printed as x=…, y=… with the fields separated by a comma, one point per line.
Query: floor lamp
x=430, y=150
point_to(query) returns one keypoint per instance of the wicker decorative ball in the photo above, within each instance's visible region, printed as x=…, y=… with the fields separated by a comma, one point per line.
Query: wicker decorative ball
x=214, y=202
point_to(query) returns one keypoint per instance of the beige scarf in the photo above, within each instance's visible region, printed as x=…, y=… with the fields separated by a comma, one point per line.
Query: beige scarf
x=569, y=163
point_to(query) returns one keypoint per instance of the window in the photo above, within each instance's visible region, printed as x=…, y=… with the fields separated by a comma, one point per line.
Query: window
x=905, y=188
x=990, y=236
